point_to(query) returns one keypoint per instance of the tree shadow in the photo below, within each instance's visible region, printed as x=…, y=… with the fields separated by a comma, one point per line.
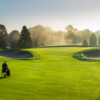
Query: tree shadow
x=1, y=78
x=69, y=46
x=97, y=98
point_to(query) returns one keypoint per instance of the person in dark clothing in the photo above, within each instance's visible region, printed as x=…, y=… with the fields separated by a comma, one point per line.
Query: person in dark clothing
x=4, y=69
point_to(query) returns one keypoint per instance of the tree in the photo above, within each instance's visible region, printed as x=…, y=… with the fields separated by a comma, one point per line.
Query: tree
x=2, y=40
x=42, y=36
x=99, y=41
x=69, y=27
x=85, y=34
x=85, y=42
x=38, y=36
x=24, y=39
x=13, y=38
x=97, y=33
x=70, y=36
x=93, y=40
x=3, y=36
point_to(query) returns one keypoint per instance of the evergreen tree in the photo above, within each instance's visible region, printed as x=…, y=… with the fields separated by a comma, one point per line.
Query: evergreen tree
x=93, y=40
x=85, y=42
x=99, y=41
x=25, y=39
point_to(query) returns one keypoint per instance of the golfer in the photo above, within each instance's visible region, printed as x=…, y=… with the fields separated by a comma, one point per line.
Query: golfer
x=4, y=69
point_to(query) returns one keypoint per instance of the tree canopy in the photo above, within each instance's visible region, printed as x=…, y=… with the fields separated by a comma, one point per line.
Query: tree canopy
x=93, y=40
x=85, y=42
x=25, y=39
x=13, y=38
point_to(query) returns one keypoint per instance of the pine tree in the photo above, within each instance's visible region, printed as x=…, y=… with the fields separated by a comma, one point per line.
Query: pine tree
x=85, y=42
x=93, y=40
x=25, y=39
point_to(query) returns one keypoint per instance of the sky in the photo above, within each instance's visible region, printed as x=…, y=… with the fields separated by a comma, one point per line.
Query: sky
x=57, y=14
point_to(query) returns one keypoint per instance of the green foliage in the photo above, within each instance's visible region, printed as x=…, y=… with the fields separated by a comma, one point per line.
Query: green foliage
x=69, y=27
x=93, y=40
x=97, y=33
x=3, y=28
x=3, y=36
x=2, y=40
x=13, y=38
x=75, y=36
x=70, y=37
x=25, y=39
x=99, y=41
x=45, y=36
x=85, y=42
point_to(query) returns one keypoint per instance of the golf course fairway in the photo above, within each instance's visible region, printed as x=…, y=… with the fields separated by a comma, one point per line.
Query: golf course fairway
x=51, y=74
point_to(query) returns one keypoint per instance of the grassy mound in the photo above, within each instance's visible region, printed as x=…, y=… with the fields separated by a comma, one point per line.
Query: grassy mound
x=80, y=55
x=52, y=74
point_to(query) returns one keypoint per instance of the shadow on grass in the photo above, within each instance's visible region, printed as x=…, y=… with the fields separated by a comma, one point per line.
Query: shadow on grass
x=80, y=55
x=1, y=78
x=28, y=59
x=68, y=46
x=97, y=98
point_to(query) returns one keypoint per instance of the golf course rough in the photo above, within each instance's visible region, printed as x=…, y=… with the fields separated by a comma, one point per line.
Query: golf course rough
x=51, y=74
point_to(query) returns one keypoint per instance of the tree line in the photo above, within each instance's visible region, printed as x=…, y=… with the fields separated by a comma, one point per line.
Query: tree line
x=92, y=41
x=39, y=36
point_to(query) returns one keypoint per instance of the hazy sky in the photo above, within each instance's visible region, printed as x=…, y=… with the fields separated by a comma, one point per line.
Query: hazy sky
x=57, y=14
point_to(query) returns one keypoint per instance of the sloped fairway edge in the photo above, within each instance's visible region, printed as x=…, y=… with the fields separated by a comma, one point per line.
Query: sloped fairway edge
x=35, y=55
x=80, y=55
x=19, y=54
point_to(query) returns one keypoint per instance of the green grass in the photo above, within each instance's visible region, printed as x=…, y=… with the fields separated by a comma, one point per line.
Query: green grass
x=53, y=73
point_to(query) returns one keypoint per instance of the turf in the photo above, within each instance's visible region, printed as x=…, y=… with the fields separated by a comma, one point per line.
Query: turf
x=52, y=74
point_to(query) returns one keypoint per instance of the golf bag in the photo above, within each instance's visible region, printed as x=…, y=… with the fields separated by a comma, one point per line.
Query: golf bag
x=8, y=72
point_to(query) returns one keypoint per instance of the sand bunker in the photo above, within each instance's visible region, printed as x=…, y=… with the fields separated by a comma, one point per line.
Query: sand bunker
x=16, y=54
x=93, y=54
